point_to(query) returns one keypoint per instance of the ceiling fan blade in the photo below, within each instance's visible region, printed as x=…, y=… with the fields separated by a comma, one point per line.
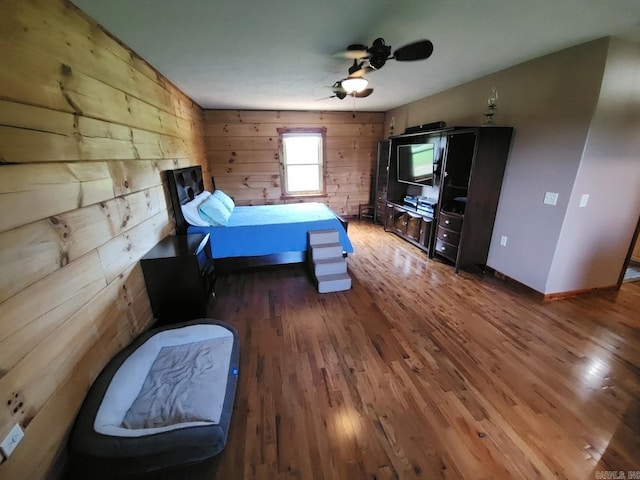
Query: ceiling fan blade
x=354, y=52
x=338, y=88
x=364, y=93
x=414, y=51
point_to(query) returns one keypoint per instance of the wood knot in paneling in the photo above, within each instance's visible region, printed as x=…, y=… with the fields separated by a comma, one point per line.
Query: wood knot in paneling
x=103, y=206
x=63, y=231
x=65, y=70
x=125, y=296
x=126, y=211
x=64, y=258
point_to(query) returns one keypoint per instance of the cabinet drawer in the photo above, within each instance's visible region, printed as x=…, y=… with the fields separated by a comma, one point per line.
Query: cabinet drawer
x=381, y=197
x=446, y=249
x=450, y=221
x=448, y=236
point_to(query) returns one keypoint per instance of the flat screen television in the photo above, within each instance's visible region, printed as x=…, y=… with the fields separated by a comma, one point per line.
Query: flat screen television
x=415, y=163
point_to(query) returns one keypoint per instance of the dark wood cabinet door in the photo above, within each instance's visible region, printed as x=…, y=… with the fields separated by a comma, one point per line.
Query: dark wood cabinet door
x=470, y=189
x=179, y=277
x=399, y=224
x=414, y=223
x=381, y=181
x=426, y=226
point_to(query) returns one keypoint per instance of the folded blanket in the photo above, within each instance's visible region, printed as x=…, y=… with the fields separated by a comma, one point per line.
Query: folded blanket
x=186, y=383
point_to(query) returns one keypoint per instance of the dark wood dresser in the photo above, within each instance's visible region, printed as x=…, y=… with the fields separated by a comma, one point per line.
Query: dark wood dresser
x=180, y=277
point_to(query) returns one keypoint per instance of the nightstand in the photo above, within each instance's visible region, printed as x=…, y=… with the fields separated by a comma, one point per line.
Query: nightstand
x=179, y=276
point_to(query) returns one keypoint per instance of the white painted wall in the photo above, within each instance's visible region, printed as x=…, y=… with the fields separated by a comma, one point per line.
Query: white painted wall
x=595, y=239
x=550, y=102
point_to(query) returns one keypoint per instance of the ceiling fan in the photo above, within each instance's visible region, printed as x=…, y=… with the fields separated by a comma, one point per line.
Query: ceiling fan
x=367, y=59
x=340, y=92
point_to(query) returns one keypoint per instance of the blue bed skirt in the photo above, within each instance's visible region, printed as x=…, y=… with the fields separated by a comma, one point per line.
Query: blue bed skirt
x=270, y=229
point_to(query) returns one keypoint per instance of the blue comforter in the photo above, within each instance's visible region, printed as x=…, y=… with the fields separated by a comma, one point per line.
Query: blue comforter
x=267, y=229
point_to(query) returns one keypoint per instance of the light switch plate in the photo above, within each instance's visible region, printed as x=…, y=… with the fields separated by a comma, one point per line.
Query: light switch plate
x=584, y=199
x=550, y=198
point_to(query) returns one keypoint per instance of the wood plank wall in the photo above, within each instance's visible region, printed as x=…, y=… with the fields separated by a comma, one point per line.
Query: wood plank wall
x=242, y=154
x=86, y=128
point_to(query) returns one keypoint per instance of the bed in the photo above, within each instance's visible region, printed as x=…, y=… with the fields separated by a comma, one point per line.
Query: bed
x=165, y=400
x=281, y=229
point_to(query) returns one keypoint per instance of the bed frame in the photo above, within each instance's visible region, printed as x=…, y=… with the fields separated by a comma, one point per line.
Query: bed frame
x=184, y=185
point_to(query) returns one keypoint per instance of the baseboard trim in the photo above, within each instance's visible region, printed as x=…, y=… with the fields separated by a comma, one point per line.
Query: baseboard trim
x=515, y=283
x=549, y=297
x=575, y=293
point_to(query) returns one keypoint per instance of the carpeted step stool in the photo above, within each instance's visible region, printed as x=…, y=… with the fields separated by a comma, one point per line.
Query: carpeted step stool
x=326, y=261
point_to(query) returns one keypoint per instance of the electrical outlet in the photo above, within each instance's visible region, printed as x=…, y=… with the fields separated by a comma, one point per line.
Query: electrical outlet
x=503, y=240
x=11, y=441
x=550, y=198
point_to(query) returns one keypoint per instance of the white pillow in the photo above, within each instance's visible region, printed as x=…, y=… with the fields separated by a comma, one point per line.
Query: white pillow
x=213, y=211
x=226, y=200
x=190, y=210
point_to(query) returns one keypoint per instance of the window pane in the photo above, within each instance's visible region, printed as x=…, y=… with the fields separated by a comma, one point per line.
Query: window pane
x=303, y=178
x=301, y=149
x=302, y=162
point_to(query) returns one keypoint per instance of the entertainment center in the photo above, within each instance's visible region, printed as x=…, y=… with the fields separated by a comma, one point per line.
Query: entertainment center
x=439, y=190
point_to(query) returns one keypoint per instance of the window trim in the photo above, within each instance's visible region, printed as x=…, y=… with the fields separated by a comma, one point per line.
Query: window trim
x=322, y=131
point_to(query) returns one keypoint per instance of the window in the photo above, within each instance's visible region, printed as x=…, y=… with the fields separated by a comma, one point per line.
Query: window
x=302, y=160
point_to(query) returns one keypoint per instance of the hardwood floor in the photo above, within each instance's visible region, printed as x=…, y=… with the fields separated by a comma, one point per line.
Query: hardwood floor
x=420, y=373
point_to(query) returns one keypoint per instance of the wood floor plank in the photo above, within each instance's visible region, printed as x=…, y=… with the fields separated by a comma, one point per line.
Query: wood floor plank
x=419, y=373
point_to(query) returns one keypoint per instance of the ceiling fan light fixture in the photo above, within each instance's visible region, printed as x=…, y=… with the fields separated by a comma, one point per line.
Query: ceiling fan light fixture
x=354, y=84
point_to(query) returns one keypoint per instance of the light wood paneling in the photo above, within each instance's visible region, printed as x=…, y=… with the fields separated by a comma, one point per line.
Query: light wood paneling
x=86, y=130
x=289, y=117
x=35, y=191
x=242, y=154
x=99, y=330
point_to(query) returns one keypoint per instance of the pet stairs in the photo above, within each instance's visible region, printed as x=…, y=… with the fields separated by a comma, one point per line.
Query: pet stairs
x=326, y=262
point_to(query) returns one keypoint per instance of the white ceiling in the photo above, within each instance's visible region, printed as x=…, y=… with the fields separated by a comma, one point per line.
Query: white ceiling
x=277, y=54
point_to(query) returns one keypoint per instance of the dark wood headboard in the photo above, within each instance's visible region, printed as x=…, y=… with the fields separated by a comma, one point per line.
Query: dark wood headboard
x=184, y=185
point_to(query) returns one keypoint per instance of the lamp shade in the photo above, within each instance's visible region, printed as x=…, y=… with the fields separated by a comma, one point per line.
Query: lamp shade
x=354, y=84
